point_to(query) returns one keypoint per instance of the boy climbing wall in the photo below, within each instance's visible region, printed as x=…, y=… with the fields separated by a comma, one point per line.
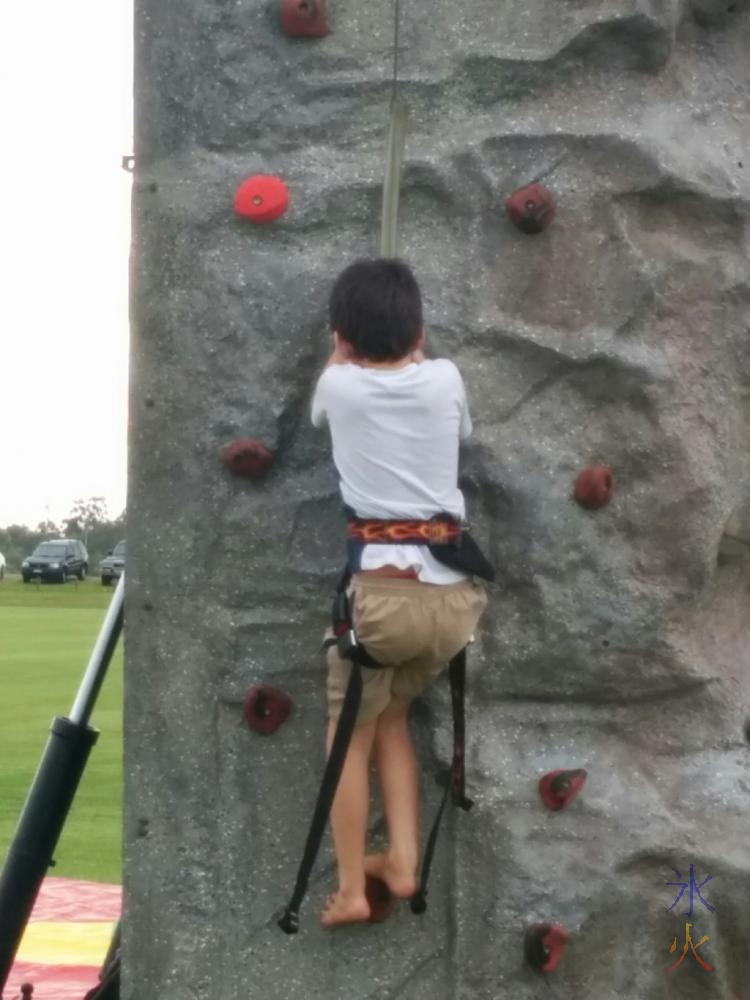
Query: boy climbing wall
x=395, y=420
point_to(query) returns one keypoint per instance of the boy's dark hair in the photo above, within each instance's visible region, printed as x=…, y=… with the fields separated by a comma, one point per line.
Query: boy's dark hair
x=376, y=306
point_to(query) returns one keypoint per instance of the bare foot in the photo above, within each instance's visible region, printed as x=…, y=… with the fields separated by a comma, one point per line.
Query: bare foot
x=340, y=910
x=400, y=881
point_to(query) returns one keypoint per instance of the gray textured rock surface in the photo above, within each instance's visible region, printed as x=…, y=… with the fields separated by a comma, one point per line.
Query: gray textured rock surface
x=616, y=640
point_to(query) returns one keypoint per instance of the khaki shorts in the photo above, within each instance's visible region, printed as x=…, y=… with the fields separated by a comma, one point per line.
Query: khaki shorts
x=415, y=628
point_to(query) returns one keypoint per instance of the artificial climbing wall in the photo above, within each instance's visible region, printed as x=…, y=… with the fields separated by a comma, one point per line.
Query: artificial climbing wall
x=617, y=636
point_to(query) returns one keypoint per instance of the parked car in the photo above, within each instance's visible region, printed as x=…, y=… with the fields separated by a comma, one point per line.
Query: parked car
x=2, y=566
x=56, y=560
x=113, y=564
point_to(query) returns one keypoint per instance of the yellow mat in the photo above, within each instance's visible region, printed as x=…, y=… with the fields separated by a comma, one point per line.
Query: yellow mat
x=55, y=942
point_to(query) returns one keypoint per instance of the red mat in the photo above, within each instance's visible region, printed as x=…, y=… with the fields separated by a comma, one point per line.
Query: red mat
x=70, y=919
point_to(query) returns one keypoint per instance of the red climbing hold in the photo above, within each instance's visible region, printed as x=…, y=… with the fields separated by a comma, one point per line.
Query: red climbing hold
x=594, y=487
x=544, y=946
x=531, y=208
x=261, y=198
x=559, y=788
x=304, y=17
x=248, y=457
x=381, y=899
x=266, y=708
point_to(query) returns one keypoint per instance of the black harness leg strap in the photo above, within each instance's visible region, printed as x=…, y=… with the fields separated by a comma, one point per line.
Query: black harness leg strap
x=456, y=785
x=289, y=922
x=418, y=901
x=458, y=700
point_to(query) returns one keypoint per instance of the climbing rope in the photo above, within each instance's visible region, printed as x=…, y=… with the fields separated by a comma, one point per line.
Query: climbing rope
x=396, y=31
x=394, y=154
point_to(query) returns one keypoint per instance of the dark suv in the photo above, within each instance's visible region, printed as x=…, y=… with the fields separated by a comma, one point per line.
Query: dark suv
x=113, y=564
x=56, y=560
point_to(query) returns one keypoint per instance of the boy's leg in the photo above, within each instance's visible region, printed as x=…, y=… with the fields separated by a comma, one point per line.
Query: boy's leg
x=351, y=803
x=399, y=779
x=349, y=826
x=449, y=616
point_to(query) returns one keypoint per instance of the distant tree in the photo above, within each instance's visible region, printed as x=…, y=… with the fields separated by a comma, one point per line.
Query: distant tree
x=16, y=542
x=103, y=538
x=99, y=534
x=48, y=527
x=85, y=515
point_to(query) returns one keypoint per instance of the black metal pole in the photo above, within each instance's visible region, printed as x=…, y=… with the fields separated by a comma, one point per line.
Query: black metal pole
x=51, y=795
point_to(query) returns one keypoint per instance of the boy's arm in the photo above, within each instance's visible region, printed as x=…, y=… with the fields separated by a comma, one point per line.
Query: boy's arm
x=465, y=427
x=318, y=414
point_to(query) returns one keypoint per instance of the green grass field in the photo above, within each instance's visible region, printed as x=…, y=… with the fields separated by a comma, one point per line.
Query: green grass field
x=47, y=633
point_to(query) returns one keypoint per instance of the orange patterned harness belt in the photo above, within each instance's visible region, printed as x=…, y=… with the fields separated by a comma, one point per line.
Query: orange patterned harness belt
x=435, y=532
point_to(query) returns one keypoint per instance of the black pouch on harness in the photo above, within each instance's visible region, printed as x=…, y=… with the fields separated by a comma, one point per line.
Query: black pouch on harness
x=466, y=557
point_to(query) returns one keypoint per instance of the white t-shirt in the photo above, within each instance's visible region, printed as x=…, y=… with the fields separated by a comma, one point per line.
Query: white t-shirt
x=395, y=435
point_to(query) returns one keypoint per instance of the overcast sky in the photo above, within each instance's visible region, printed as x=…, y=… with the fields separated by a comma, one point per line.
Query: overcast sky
x=65, y=104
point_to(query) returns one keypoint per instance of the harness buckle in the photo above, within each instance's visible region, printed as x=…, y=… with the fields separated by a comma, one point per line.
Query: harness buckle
x=442, y=532
x=347, y=643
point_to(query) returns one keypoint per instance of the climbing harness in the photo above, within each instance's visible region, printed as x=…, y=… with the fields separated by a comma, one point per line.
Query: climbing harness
x=450, y=542
x=344, y=637
x=437, y=531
